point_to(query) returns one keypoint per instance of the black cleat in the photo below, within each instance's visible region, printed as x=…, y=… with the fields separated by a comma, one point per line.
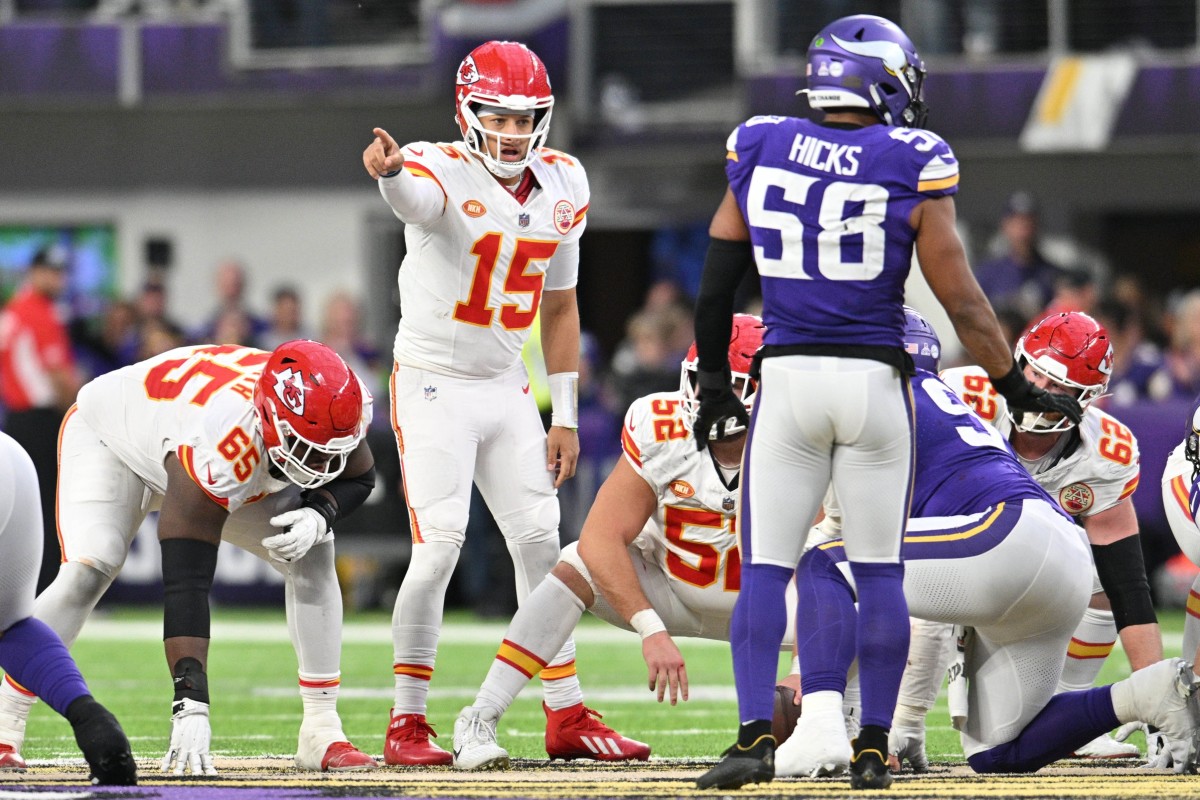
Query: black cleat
x=103, y=743
x=869, y=767
x=739, y=766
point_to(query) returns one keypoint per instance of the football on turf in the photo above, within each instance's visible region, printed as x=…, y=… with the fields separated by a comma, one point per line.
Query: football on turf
x=786, y=713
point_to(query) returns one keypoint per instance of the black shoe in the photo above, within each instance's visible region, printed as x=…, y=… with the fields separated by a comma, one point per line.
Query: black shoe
x=739, y=766
x=103, y=743
x=869, y=767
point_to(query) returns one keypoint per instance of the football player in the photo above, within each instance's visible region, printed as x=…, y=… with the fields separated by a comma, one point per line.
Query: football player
x=986, y=547
x=830, y=213
x=657, y=555
x=1181, y=499
x=29, y=650
x=1091, y=469
x=264, y=450
x=492, y=227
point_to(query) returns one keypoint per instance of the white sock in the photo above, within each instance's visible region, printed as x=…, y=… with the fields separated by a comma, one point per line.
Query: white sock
x=319, y=694
x=540, y=629
x=1191, y=623
x=417, y=623
x=1091, y=643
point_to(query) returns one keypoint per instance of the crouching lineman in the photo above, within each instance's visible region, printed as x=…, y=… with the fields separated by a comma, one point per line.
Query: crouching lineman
x=657, y=555
x=228, y=442
x=30, y=651
x=987, y=548
x=1091, y=469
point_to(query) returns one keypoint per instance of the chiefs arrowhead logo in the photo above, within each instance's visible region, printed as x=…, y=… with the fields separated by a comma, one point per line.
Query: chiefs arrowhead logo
x=564, y=216
x=467, y=73
x=474, y=208
x=289, y=388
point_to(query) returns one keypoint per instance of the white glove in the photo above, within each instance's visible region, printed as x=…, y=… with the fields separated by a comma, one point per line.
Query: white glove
x=908, y=744
x=1161, y=752
x=302, y=529
x=190, y=738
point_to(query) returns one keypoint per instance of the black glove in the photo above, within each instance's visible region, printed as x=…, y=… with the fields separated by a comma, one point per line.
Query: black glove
x=1024, y=396
x=718, y=406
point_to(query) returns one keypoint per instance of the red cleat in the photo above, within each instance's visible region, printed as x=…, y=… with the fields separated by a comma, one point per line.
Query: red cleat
x=408, y=743
x=577, y=732
x=11, y=759
x=345, y=757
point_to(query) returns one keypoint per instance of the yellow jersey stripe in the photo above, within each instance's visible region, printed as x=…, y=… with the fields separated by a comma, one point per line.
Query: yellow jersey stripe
x=941, y=183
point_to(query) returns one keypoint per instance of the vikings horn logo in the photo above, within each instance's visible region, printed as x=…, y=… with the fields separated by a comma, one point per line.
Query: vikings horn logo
x=467, y=73
x=289, y=388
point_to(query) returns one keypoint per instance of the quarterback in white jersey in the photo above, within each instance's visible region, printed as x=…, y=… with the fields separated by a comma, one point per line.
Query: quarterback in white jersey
x=227, y=442
x=658, y=555
x=492, y=227
x=1091, y=470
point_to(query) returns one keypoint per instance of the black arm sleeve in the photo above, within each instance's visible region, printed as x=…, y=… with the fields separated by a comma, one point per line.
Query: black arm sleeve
x=725, y=265
x=1122, y=572
x=347, y=494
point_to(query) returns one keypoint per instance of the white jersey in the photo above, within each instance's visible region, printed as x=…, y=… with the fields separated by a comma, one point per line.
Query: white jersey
x=473, y=275
x=195, y=403
x=692, y=531
x=1101, y=471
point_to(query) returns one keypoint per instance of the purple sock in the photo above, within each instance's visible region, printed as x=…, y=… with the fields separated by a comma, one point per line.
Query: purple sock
x=759, y=622
x=37, y=659
x=882, y=638
x=1070, y=720
x=827, y=628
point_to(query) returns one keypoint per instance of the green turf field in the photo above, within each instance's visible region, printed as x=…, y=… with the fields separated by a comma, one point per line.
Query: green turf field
x=256, y=709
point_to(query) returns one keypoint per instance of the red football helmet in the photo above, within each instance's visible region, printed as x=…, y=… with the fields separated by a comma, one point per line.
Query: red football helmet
x=505, y=75
x=744, y=341
x=313, y=411
x=1073, y=351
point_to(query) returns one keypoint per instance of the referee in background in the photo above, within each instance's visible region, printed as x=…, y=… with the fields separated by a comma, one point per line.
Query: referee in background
x=38, y=382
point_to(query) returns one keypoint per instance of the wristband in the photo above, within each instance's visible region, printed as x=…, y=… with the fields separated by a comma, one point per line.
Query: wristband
x=391, y=174
x=564, y=400
x=1010, y=381
x=647, y=623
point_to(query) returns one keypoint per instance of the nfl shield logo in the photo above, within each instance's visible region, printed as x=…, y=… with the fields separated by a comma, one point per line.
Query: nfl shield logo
x=727, y=504
x=523, y=220
x=430, y=392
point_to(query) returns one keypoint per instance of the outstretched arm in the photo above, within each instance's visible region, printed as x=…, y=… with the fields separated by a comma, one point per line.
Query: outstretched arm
x=622, y=506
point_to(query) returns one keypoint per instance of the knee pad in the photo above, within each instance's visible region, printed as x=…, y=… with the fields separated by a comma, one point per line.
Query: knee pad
x=536, y=523
x=431, y=565
x=443, y=520
x=570, y=556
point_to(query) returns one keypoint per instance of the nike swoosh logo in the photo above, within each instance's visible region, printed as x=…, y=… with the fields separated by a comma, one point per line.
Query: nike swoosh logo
x=211, y=482
x=632, y=427
x=525, y=389
x=417, y=152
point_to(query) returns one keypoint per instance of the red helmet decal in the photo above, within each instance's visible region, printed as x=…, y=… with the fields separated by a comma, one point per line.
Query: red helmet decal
x=289, y=388
x=467, y=71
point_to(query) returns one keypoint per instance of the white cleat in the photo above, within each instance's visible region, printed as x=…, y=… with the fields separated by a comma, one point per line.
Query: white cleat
x=1164, y=696
x=1105, y=746
x=817, y=748
x=475, y=746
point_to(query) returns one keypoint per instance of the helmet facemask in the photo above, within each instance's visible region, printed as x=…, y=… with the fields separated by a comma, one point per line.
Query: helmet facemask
x=1055, y=372
x=305, y=463
x=476, y=135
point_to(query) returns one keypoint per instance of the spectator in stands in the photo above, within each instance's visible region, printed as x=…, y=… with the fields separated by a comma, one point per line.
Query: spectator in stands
x=646, y=360
x=158, y=336
x=38, y=382
x=286, y=319
x=1019, y=276
x=1136, y=358
x=1179, y=376
x=341, y=330
x=234, y=326
x=112, y=346
x=230, y=282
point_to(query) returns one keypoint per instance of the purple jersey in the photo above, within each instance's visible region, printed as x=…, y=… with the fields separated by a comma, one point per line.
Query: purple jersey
x=828, y=210
x=963, y=466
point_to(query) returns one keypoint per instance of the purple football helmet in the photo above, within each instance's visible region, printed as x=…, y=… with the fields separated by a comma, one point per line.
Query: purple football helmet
x=921, y=341
x=866, y=61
